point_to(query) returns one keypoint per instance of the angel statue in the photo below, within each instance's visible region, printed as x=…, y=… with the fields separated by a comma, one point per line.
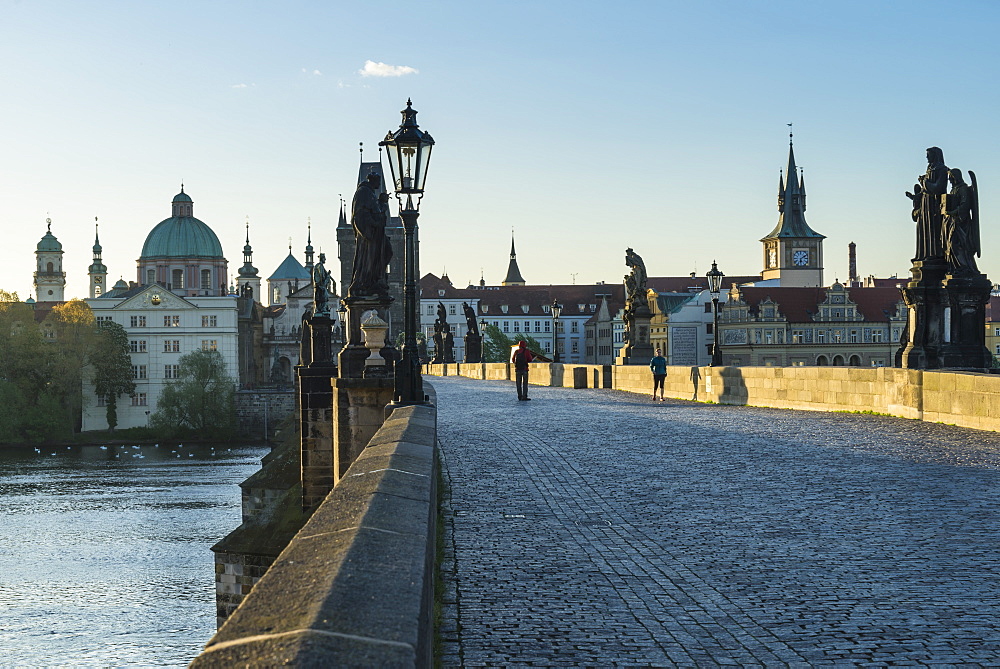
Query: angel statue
x=960, y=224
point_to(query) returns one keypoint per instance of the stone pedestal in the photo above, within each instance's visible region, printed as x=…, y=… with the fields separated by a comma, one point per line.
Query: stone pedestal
x=638, y=350
x=925, y=300
x=321, y=349
x=473, y=348
x=965, y=323
x=351, y=358
x=316, y=432
x=359, y=411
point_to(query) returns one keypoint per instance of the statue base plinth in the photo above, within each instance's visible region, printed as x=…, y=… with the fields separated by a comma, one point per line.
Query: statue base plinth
x=352, y=357
x=638, y=350
x=473, y=348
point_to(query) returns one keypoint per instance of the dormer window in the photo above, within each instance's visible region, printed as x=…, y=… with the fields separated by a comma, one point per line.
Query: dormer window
x=593, y=307
x=545, y=308
x=581, y=307
x=440, y=292
x=503, y=308
x=485, y=308
x=524, y=308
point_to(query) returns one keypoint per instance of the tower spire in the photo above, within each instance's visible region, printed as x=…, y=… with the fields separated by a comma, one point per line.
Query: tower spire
x=309, y=246
x=514, y=277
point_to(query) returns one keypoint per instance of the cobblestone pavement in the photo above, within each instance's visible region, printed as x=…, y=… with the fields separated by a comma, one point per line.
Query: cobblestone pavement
x=598, y=528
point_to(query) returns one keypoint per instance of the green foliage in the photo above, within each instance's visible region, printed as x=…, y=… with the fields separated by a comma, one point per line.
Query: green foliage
x=200, y=402
x=112, y=366
x=496, y=345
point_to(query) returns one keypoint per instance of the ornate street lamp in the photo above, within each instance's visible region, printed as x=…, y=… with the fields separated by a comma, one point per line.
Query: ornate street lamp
x=556, y=313
x=714, y=288
x=409, y=151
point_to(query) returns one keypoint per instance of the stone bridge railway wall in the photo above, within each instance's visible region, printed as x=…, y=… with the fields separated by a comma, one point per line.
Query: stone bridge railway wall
x=966, y=399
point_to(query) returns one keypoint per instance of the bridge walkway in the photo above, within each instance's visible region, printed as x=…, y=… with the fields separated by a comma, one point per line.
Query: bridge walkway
x=599, y=528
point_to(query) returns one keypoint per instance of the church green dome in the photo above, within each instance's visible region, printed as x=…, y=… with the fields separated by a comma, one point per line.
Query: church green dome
x=182, y=235
x=49, y=243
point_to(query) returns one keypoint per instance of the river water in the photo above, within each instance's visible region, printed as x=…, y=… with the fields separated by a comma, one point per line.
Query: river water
x=105, y=553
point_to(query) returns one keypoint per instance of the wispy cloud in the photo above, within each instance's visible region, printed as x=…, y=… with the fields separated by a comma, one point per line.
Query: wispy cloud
x=314, y=72
x=373, y=69
x=238, y=86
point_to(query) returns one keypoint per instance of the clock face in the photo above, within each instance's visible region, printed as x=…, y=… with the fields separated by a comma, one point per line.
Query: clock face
x=772, y=258
x=98, y=279
x=800, y=258
x=155, y=299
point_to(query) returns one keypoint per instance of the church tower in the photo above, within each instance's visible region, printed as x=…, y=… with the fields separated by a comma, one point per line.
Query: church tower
x=513, y=277
x=793, y=252
x=248, y=273
x=50, y=279
x=97, y=271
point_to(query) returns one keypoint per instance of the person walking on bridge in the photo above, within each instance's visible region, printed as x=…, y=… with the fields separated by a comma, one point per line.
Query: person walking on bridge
x=520, y=359
x=659, y=366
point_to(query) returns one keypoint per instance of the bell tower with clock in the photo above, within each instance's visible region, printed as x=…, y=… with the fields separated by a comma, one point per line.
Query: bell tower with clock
x=793, y=252
x=97, y=271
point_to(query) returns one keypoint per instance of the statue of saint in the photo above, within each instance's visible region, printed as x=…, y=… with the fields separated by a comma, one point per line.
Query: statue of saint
x=470, y=319
x=635, y=282
x=372, y=253
x=927, y=205
x=442, y=315
x=322, y=287
x=960, y=226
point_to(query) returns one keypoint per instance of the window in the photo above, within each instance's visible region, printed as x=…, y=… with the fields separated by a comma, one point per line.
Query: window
x=547, y=326
x=484, y=307
x=171, y=321
x=171, y=346
x=138, y=321
x=838, y=336
x=150, y=276
x=276, y=296
x=548, y=347
x=574, y=326
x=877, y=336
x=708, y=307
x=139, y=400
x=853, y=337
x=209, y=345
x=104, y=319
x=538, y=326
x=137, y=345
x=430, y=309
x=451, y=309
x=527, y=326
x=996, y=332
x=708, y=328
x=769, y=337
x=138, y=371
x=517, y=326
x=177, y=279
x=821, y=336
x=504, y=307
x=506, y=326
x=171, y=371
x=797, y=336
x=576, y=347
x=209, y=321
x=101, y=402
x=206, y=279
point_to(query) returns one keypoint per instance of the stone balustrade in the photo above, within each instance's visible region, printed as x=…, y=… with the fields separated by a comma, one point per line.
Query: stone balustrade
x=967, y=399
x=354, y=587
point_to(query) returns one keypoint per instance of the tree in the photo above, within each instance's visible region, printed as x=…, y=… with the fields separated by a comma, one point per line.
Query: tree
x=201, y=400
x=74, y=337
x=496, y=345
x=112, y=366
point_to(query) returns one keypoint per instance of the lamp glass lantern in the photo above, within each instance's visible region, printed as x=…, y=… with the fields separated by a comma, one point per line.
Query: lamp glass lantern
x=556, y=309
x=409, y=153
x=715, y=281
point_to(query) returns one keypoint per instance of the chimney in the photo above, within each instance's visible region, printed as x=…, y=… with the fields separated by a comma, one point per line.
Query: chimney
x=852, y=265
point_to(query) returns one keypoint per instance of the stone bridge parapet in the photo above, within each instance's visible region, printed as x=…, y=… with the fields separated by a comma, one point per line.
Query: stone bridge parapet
x=355, y=585
x=966, y=399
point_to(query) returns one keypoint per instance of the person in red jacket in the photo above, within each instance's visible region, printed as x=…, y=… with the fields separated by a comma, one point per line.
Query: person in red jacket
x=520, y=359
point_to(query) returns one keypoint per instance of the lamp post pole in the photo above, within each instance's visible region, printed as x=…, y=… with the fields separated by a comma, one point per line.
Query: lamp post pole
x=714, y=288
x=556, y=313
x=409, y=153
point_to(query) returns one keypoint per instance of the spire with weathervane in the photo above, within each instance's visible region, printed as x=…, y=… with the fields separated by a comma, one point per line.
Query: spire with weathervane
x=514, y=277
x=97, y=271
x=793, y=252
x=309, y=246
x=248, y=276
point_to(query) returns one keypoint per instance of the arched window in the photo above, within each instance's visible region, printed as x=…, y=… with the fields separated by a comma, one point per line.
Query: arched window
x=177, y=279
x=150, y=276
x=49, y=268
x=822, y=361
x=855, y=361
x=838, y=361
x=206, y=279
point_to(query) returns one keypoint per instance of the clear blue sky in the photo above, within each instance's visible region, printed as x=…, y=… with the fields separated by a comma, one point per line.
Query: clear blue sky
x=587, y=127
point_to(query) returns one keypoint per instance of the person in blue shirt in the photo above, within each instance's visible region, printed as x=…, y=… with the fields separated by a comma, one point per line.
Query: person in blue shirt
x=659, y=366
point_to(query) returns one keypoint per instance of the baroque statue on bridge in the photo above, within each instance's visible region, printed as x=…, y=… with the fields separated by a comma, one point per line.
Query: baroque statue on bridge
x=635, y=281
x=322, y=287
x=372, y=252
x=960, y=225
x=470, y=319
x=926, y=197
